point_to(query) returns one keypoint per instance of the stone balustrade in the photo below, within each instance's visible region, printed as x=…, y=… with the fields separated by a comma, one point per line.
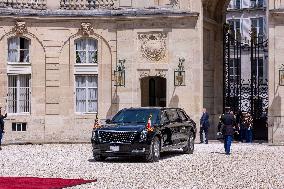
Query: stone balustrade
x=23, y=4
x=86, y=4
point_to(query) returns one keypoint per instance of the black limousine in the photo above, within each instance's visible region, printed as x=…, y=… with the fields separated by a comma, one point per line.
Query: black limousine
x=144, y=132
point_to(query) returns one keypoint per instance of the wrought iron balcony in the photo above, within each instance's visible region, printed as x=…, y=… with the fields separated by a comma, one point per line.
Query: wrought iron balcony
x=86, y=4
x=23, y=4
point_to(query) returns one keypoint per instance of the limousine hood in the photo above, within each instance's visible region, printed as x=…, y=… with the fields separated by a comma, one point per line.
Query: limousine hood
x=123, y=127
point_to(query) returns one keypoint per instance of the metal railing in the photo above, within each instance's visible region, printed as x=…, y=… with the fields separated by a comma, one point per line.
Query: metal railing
x=23, y=4
x=86, y=4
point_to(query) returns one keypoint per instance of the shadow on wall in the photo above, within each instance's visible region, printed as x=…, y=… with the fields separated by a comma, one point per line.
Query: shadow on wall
x=174, y=102
x=275, y=115
x=114, y=107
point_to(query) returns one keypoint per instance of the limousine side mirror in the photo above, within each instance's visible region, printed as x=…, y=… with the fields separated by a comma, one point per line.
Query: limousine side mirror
x=108, y=121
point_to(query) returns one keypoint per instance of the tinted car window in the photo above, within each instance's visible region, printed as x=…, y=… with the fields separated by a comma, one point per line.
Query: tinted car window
x=182, y=115
x=136, y=116
x=173, y=116
x=164, y=118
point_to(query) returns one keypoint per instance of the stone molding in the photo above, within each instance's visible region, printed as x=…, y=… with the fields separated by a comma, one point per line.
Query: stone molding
x=152, y=73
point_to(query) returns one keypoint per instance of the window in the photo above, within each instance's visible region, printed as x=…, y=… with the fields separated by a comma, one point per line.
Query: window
x=19, y=126
x=182, y=115
x=19, y=93
x=256, y=3
x=86, y=51
x=164, y=117
x=235, y=4
x=234, y=69
x=173, y=115
x=258, y=24
x=258, y=69
x=86, y=93
x=18, y=50
x=235, y=25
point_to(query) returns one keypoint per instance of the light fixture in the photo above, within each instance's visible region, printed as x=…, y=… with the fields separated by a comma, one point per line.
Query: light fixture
x=119, y=74
x=179, y=74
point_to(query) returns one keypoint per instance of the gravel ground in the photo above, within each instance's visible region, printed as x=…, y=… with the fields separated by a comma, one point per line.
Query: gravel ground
x=249, y=166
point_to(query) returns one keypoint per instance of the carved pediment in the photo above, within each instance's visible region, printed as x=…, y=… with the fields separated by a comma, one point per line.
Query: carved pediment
x=20, y=28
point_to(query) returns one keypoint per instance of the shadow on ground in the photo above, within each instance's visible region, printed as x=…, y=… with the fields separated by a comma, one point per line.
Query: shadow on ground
x=164, y=155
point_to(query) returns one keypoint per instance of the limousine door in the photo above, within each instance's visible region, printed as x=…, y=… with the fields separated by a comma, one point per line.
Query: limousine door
x=171, y=128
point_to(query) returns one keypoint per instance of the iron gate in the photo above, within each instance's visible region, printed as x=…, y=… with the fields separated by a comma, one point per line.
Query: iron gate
x=244, y=71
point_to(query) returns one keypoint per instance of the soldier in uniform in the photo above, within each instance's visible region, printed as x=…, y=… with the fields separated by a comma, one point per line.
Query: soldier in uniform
x=228, y=120
x=204, y=126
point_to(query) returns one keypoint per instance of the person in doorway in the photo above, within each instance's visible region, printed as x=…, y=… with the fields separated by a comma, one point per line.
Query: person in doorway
x=240, y=124
x=204, y=126
x=2, y=117
x=228, y=121
x=248, y=126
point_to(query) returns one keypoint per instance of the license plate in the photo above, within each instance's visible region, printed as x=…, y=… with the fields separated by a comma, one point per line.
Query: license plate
x=114, y=148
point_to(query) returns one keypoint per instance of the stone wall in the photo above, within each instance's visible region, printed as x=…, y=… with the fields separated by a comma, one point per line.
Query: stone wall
x=276, y=91
x=52, y=54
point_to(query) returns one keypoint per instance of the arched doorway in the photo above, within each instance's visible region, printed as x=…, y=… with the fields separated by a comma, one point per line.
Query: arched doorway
x=153, y=92
x=233, y=68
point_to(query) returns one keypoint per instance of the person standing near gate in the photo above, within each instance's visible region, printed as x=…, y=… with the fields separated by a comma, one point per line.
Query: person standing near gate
x=204, y=126
x=228, y=121
x=249, y=126
x=2, y=126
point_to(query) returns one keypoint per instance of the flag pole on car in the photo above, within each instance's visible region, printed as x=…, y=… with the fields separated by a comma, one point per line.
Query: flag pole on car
x=96, y=123
x=149, y=127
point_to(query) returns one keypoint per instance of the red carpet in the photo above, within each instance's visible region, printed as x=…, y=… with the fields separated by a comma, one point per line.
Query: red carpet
x=39, y=183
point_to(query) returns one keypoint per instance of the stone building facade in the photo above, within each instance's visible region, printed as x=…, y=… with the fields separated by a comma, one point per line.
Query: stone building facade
x=58, y=61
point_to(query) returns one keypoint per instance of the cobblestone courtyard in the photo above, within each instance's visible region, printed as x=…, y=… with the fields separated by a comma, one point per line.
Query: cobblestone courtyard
x=249, y=166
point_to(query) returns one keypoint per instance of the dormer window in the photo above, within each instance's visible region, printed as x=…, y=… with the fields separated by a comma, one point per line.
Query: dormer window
x=18, y=50
x=86, y=51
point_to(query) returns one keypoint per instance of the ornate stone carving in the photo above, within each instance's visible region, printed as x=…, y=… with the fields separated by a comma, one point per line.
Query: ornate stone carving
x=20, y=28
x=86, y=28
x=144, y=73
x=174, y=3
x=161, y=73
x=153, y=45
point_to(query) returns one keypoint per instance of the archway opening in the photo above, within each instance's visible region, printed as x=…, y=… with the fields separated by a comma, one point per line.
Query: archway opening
x=153, y=92
x=234, y=63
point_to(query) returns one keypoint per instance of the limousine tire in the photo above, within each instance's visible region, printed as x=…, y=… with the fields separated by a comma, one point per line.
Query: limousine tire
x=154, y=152
x=98, y=157
x=189, y=148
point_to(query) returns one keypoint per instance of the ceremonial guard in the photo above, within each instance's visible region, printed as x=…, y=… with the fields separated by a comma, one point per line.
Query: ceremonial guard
x=228, y=121
x=204, y=126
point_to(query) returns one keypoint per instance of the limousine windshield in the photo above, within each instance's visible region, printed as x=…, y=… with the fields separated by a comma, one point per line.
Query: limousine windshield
x=136, y=116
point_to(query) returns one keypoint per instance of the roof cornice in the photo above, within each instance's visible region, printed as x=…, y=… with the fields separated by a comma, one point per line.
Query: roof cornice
x=97, y=13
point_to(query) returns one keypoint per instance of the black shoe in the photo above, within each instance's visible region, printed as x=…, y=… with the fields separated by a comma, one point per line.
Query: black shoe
x=0, y=148
x=200, y=142
x=206, y=143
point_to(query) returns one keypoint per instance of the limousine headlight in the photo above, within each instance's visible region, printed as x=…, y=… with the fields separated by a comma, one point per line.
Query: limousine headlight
x=95, y=135
x=143, y=135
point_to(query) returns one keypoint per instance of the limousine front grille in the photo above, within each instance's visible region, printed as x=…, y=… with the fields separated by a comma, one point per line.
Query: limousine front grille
x=116, y=136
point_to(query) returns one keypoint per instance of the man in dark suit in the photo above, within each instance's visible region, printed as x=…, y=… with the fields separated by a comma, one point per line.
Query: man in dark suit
x=2, y=117
x=204, y=126
x=228, y=121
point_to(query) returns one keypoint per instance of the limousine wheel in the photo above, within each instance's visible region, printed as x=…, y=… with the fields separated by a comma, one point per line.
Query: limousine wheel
x=189, y=148
x=154, y=152
x=99, y=158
